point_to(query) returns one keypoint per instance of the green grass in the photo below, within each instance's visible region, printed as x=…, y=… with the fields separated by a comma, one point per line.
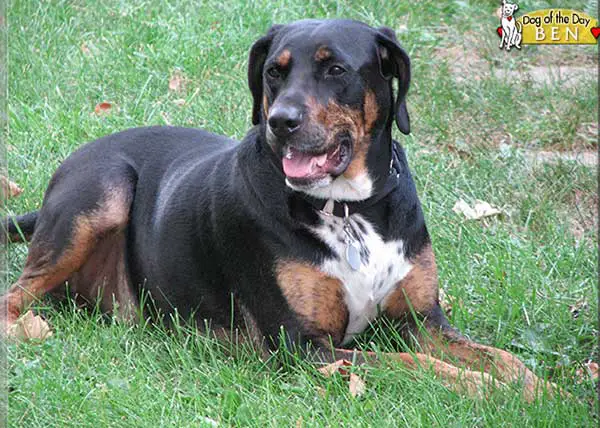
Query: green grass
x=511, y=279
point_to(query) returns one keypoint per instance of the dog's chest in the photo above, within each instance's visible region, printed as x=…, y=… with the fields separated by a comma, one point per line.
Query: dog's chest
x=381, y=265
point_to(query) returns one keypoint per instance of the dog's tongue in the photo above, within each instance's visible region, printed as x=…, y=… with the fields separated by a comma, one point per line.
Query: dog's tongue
x=301, y=165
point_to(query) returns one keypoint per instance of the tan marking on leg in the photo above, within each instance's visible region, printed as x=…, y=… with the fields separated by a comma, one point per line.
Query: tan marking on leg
x=322, y=54
x=104, y=278
x=41, y=274
x=317, y=298
x=473, y=383
x=283, y=60
x=500, y=364
x=419, y=287
x=337, y=119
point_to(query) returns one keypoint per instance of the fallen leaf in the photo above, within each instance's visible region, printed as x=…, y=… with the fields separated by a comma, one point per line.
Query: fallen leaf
x=578, y=307
x=498, y=13
x=322, y=392
x=179, y=102
x=480, y=210
x=8, y=189
x=300, y=422
x=30, y=326
x=103, y=108
x=588, y=371
x=177, y=81
x=357, y=385
x=461, y=207
x=84, y=48
x=335, y=367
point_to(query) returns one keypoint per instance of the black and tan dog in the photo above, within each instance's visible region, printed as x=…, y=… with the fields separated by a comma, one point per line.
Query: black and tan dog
x=311, y=225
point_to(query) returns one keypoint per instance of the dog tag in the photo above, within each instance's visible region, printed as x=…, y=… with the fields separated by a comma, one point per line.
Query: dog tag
x=353, y=254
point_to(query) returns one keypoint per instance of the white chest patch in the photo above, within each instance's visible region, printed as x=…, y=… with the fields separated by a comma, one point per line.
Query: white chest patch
x=382, y=265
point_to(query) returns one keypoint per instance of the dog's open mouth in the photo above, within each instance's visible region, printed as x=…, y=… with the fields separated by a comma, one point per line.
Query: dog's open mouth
x=305, y=167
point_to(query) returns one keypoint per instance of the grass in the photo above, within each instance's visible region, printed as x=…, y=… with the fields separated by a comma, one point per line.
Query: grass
x=511, y=280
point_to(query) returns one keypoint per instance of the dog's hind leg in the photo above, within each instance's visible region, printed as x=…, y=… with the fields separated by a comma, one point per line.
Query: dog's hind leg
x=78, y=212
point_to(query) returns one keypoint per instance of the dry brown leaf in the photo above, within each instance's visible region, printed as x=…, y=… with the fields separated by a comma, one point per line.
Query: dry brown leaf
x=179, y=102
x=357, y=385
x=480, y=210
x=103, y=108
x=30, y=326
x=8, y=189
x=336, y=367
x=588, y=371
x=300, y=422
x=84, y=48
x=578, y=307
x=177, y=81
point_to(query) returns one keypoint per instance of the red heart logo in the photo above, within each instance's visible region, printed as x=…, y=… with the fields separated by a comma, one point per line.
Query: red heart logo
x=509, y=18
x=499, y=31
x=595, y=31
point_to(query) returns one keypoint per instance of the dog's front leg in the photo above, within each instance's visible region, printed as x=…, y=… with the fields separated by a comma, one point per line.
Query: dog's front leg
x=317, y=301
x=437, y=338
x=416, y=296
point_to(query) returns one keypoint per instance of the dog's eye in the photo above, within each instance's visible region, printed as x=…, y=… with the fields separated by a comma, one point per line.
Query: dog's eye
x=336, y=70
x=274, y=73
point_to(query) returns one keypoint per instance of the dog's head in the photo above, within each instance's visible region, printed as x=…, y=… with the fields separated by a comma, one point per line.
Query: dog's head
x=324, y=99
x=508, y=9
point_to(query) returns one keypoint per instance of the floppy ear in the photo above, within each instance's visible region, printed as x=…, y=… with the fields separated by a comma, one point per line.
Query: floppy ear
x=394, y=62
x=258, y=55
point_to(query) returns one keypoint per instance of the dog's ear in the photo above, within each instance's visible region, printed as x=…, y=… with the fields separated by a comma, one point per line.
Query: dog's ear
x=394, y=62
x=515, y=7
x=258, y=55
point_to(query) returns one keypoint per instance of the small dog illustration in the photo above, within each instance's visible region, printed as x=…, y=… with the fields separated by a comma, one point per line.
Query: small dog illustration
x=511, y=29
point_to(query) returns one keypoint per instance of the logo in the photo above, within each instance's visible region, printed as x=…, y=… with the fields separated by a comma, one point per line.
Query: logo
x=545, y=27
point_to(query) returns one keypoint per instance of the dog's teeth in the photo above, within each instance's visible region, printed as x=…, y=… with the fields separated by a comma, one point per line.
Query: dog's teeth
x=289, y=155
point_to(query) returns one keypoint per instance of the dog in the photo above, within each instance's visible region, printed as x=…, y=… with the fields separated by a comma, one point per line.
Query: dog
x=511, y=29
x=303, y=233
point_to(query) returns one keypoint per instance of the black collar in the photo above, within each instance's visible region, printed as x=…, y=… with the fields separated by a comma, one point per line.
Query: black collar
x=346, y=208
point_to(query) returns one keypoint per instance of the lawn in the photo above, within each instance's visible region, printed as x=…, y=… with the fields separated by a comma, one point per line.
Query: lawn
x=487, y=125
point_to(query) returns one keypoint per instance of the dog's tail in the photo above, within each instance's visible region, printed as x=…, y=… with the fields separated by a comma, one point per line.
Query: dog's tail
x=519, y=26
x=19, y=228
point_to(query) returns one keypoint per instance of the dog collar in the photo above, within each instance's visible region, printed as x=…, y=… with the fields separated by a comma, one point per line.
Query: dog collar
x=346, y=208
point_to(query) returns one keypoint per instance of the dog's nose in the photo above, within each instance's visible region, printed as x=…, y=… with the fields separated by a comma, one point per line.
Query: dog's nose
x=284, y=120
